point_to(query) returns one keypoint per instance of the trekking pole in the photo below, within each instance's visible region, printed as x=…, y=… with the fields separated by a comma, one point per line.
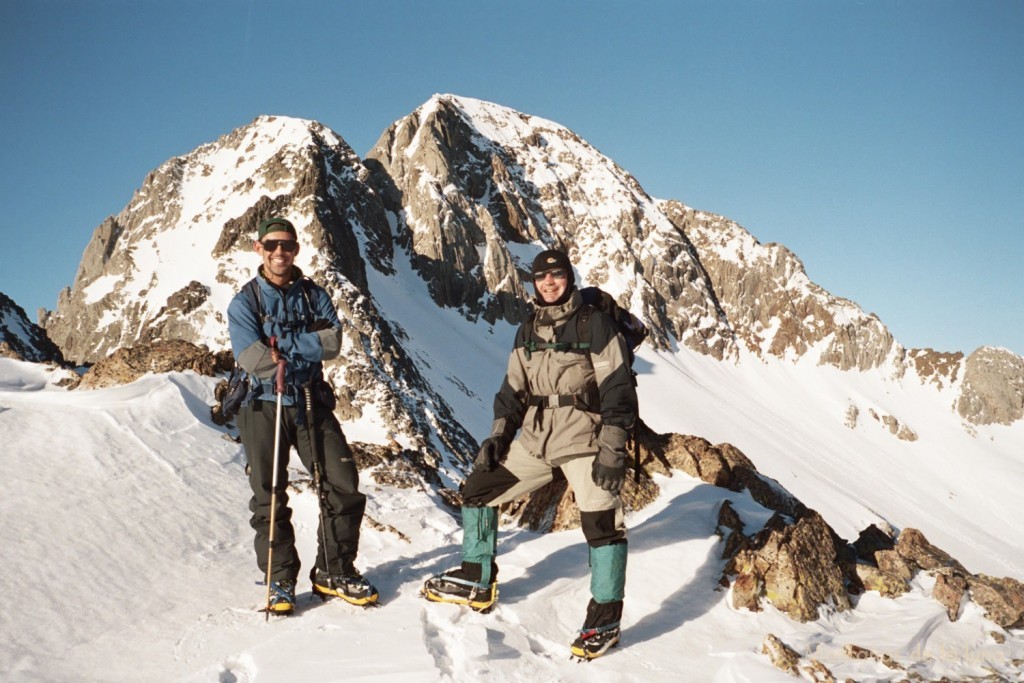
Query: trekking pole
x=317, y=475
x=279, y=390
x=636, y=452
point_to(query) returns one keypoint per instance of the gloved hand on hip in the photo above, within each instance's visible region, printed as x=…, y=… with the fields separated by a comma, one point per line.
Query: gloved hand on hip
x=495, y=447
x=609, y=471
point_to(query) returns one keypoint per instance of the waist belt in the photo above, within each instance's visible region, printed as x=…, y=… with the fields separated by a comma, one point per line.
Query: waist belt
x=579, y=401
x=558, y=401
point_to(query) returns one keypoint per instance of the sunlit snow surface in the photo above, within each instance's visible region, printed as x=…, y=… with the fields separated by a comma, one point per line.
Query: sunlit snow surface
x=128, y=553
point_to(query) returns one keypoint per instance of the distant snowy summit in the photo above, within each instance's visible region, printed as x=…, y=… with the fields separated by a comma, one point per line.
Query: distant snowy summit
x=453, y=202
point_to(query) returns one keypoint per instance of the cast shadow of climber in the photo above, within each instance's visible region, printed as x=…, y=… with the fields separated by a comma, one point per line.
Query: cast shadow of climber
x=688, y=516
x=642, y=367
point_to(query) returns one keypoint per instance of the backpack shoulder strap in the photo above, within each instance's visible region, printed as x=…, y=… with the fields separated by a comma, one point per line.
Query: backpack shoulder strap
x=307, y=293
x=583, y=333
x=253, y=296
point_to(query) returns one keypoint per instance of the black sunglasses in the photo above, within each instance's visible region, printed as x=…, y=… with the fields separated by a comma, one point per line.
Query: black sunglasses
x=286, y=245
x=557, y=273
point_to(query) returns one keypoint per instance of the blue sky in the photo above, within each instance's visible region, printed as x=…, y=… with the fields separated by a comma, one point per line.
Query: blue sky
x=881, y=141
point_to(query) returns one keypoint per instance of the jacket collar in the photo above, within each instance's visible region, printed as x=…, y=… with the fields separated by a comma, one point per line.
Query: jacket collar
x=296, y=276
x=554, y=315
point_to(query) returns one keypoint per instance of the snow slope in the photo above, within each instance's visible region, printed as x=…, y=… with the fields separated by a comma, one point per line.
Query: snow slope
x=126, y=538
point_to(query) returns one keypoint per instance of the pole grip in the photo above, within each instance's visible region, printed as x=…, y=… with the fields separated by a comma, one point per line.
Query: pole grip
x=279, y=378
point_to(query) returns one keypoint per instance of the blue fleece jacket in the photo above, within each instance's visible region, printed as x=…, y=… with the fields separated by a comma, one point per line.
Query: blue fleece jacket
x=287, y=316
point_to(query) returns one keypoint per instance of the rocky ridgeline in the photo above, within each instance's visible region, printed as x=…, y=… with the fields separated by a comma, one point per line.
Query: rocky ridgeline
x=456, y=187
x=773, y=307
x=21, y=339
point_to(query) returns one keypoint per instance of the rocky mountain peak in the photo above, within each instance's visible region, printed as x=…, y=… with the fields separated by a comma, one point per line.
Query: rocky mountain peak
x=455, y=200
x=166, y=267
x=478, y=189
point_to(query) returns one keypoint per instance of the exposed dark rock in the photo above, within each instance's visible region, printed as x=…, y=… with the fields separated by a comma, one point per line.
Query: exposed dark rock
x=1001, y=598
x=870, y=541
x=891, y=562
x=992, y=391
x=797, y=567
x=393, y=465
x=871, y=578
x=949, y=591
x=128, y=364
x=730, y=528
x=915, y=548
x=936, y=367
x=20, y=339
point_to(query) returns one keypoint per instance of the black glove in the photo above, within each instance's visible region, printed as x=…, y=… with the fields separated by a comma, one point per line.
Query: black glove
x=491, y=452
x=609, y=470
x=320, y=324
x=495, y=447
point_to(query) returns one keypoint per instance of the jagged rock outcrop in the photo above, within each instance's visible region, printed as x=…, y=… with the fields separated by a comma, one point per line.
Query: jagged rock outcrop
x=993, y=387
x=1001, y=598
x=782, y=656
x=469, y=181
x=21, y=339
x=936, y=367
x=794, y=566
x=894, y=426
x=130, y=363
x=551, y=508
x=773, y=306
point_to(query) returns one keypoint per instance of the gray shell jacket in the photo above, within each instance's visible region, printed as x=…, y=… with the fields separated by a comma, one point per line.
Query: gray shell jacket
x=561, y=399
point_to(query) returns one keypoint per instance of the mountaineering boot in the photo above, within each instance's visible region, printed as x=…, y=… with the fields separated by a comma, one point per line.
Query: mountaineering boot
x=350, y=587
x=600, y=630
x=464, y=586
x=475, y=582
x=282, y=597
x=594, y=642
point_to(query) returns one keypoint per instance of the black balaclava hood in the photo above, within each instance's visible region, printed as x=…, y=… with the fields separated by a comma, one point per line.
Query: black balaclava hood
x=553, y=259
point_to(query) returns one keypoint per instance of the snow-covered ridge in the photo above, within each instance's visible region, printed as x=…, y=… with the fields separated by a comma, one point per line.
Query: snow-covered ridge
x=181, y=603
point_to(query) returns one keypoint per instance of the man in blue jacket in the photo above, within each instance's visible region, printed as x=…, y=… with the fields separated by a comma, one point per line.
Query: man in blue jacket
x=295, y=321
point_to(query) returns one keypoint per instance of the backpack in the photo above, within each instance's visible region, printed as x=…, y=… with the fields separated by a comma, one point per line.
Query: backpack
x=631, y=328
x=238, y=382
x=628, y=325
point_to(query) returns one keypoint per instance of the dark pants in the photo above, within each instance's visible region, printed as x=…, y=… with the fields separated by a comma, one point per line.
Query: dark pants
x=341, y=503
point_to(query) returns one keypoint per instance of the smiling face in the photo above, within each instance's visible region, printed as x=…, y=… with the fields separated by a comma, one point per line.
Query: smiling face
x=277, y=264
x=551, y=284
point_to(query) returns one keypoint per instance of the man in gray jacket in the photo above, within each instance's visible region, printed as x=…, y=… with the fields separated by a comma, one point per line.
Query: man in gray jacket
x=570, y=391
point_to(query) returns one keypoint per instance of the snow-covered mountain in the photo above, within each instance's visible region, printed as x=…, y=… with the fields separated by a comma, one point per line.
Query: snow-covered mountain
x=464, y=192
x=424, y=246
x=21, y=339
